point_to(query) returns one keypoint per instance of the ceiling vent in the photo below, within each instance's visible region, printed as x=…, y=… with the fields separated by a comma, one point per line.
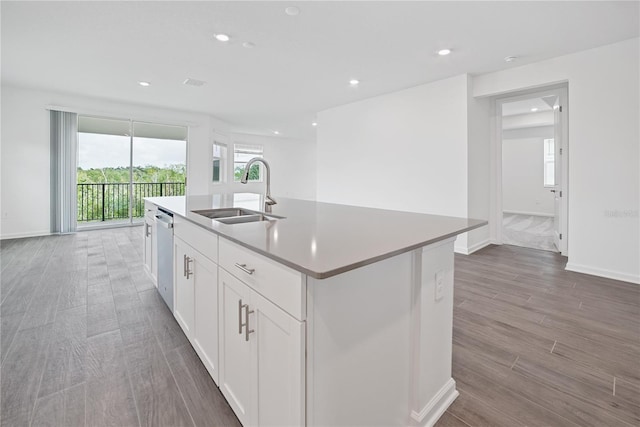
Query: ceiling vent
x=194, y=82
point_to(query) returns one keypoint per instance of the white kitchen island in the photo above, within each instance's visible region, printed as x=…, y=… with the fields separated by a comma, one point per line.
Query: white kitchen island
x=329, y=315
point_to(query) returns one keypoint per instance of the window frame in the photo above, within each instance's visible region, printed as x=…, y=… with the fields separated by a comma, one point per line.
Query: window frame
x=251, y=150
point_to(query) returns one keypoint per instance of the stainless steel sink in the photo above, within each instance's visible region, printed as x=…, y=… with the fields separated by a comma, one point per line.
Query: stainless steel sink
x=245, y=218
x=224, y=212
x=235, y=215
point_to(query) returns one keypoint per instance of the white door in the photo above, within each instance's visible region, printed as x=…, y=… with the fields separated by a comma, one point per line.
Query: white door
x=205, y=342
x=280, y=365
x=183, y=303
x=237, y=372
x=559, y=235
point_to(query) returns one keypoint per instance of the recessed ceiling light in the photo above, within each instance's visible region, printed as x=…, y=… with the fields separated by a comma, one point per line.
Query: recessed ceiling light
x=534, y=109
x=354, y=82
x=222, y=37
x=145, y=84
x=276, y=132
x=248, y=45
x=510, y=58
x=444, y=52
x=314, y=124
x=193, y=82
x=292, y=11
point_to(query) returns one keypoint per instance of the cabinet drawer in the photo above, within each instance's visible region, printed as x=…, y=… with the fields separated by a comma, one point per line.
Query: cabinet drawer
x=279, y=284
x=200, y=239
x=150, y=211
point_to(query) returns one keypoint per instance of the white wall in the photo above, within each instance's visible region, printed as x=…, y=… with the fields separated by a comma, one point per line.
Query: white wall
x=416, y=150
x=406, y=150
x=604, y=151
x=523, y=188
x=25, y=159
x=479, y=160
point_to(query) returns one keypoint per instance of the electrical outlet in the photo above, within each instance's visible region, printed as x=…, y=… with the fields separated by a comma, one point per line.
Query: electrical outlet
x=439, y=285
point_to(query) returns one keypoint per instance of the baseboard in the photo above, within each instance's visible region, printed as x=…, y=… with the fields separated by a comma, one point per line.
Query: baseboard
x=437, y=406
x=24, y=235
x=609, y=274
x=473, y=248
x=529, y=213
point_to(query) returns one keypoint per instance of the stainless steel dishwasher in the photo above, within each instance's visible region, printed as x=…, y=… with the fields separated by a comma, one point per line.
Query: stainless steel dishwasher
x=164, y=221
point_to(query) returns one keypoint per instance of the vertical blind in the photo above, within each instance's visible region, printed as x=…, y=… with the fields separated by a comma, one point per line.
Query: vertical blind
x=64, y=142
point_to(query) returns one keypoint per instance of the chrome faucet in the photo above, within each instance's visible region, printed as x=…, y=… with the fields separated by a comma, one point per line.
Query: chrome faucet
x=268, y=200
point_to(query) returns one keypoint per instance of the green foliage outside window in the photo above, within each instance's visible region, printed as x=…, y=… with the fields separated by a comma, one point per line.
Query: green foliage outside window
x=254, y=172
x=105, y=193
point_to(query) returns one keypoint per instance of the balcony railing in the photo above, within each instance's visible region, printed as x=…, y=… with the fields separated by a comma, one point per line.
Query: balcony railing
x=105, y=201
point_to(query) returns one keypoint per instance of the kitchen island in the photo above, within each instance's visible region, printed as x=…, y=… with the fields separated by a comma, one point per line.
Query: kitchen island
x=322, y=315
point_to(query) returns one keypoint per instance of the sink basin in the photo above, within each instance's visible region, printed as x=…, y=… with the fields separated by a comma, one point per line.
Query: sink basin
x=235, y=215
x=224, y=212
x=245, y=218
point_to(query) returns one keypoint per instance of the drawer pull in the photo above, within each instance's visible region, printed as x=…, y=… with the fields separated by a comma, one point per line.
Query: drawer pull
x=244, y=268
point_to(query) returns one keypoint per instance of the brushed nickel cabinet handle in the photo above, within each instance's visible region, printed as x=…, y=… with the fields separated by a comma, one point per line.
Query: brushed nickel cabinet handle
x=184, y=265
x=240, y=324
x=244, y=268
x=189, y=272
x=247, y=331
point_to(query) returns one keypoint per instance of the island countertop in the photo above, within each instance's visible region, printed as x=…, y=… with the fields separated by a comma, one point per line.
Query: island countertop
x=320, y=239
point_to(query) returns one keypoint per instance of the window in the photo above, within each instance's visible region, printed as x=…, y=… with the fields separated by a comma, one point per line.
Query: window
x=549, y=163
x=242, y=153
x=120, y=162
x=219, y=162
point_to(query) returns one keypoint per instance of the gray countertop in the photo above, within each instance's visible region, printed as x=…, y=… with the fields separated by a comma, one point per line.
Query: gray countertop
x=320, y=239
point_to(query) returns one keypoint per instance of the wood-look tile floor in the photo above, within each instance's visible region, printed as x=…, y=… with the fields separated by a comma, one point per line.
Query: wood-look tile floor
x=536, y=345
x=86, y=340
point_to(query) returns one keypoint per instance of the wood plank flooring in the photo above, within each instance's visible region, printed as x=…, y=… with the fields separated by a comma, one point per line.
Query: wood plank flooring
x=86, y=340
x=536, y=345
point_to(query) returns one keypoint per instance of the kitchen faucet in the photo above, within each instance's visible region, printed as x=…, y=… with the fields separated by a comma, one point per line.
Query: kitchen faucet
x=268, y=200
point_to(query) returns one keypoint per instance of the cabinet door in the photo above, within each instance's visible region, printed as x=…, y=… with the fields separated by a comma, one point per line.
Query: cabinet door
x=183, y=303
x=280, y=365
x=146, y=241
x=205, y=342
x=237, y=372
x=153, y=250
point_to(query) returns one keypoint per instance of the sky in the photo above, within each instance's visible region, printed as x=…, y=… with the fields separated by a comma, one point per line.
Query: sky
x=99, y=151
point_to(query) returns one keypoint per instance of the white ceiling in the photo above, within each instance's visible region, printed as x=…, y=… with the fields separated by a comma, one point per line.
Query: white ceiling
x=300, y=64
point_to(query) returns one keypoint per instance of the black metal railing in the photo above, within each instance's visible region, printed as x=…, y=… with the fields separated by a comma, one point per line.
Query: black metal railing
x=106, y=201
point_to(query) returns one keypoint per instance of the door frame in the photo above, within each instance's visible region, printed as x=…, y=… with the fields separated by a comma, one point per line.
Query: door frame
x=562, y=92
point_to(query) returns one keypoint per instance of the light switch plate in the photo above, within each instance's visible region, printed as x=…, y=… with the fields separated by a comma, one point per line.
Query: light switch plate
x=439, y=285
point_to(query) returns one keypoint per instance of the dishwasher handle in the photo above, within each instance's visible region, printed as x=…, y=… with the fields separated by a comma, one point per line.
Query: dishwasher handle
x=165, y=221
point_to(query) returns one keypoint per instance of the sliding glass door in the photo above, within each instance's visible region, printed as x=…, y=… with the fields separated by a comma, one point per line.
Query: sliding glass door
x=120, y=162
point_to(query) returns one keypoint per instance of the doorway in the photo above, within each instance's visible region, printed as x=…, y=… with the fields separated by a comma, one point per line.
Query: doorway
x=532, y=165
x=120, y=162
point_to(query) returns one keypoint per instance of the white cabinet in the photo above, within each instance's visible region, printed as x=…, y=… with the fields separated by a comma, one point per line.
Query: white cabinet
x=196, y=302
x=261, y=357
x=205, y=334
x=150, y=254
x=184, y=292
